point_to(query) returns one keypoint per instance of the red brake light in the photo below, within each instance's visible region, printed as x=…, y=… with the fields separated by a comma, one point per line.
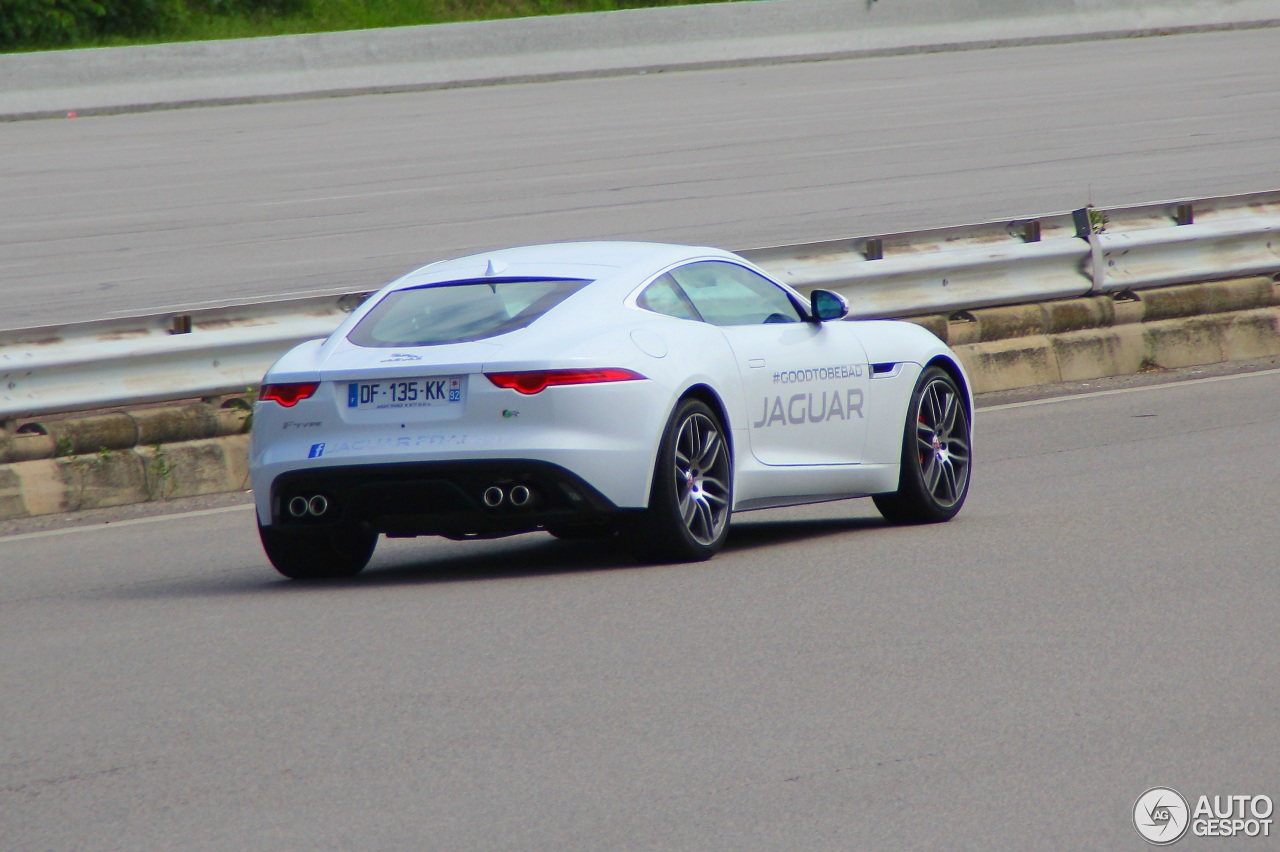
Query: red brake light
x=536, y=381
x=288, y=395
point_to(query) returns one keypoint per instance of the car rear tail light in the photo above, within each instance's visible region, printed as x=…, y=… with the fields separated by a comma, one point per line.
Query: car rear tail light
x=288, y=395
x=536, y=381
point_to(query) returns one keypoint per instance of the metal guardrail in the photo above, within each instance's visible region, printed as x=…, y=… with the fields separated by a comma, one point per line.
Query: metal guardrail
x=216, y=351
x=156, y=357
x=941, y=270
x=1061, y=255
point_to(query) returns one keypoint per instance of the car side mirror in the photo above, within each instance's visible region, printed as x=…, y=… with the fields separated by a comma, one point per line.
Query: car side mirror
x=825, y=305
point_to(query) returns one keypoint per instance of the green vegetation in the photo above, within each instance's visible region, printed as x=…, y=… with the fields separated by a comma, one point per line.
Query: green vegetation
x=44, y=24
x=159, y=470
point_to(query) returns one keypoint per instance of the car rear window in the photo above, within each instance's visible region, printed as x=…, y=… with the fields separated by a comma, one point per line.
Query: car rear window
x=460, y=311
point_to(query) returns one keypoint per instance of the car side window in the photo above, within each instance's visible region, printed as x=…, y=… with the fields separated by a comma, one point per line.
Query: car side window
x=664, y=296
x=728, y=294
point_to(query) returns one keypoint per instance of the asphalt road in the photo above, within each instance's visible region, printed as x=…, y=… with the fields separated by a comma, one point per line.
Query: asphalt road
x=1100, y=619
x=122, y=214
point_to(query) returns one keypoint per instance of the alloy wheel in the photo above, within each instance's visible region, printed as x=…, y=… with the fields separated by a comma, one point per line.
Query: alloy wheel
x=702, y=477
x=942, y=442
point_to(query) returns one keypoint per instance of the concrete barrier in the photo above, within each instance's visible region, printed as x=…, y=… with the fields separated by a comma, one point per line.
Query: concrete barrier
x=1002, y=348
x=104, y=80
x=1102, y=336
x=122, y=477
x=52, y=437
x=1123, y=350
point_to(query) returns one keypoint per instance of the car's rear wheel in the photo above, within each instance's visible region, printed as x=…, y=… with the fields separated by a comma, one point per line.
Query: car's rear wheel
x=320, y=553
x=935, y=454
x=690, y=499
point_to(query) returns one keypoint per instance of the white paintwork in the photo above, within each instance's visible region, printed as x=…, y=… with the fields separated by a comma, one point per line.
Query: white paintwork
x=608, y=434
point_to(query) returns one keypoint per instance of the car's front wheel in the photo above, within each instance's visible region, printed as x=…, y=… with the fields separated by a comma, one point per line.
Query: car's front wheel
x=320, y=553
x=935, y=454
x=690, y=499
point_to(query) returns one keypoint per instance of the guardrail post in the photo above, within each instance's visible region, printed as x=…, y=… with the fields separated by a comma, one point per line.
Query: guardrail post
x=1089, y=224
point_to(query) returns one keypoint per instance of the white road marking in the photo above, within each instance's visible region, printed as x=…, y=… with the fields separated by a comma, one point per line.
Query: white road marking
x=110, y=525
x=1114, y=391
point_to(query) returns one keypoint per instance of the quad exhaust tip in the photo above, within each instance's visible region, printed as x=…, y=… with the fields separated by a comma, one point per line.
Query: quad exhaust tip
x=493, y=496
x=520, y=496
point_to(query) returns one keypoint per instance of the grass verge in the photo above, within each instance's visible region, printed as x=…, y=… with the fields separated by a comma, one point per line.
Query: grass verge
x=27, y=25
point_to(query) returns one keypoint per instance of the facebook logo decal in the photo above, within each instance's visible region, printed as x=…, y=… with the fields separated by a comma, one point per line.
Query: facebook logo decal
x=317, y=450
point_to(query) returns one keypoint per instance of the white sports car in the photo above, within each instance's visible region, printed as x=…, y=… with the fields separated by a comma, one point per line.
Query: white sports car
x=593, y=389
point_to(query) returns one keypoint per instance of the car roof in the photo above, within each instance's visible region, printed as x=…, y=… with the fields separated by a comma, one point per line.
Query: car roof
x=629, y=261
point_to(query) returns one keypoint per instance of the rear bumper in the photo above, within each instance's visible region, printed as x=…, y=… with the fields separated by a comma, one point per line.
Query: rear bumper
x=450, y=498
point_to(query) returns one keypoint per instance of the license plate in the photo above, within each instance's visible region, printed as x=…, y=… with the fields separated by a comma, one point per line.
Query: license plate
x=405, y=393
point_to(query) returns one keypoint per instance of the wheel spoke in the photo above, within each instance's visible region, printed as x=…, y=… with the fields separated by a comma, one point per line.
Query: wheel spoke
x=935, y=406
x=949, y=412
x=688, y=508
x=698, y=525
x=691, y=519
x=924, y=436
x=706, y=521
x=710, y=451
x=930, y=472
x=686, y=443
x=714, y=489
x=957, y=475
x=946, y=491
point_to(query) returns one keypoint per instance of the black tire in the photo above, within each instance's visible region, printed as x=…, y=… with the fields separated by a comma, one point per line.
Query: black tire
x=936, y=454
x=691, y=498
x=321, y=553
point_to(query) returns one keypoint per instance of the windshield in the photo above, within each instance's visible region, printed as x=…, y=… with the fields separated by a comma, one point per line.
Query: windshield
x=460, y=311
